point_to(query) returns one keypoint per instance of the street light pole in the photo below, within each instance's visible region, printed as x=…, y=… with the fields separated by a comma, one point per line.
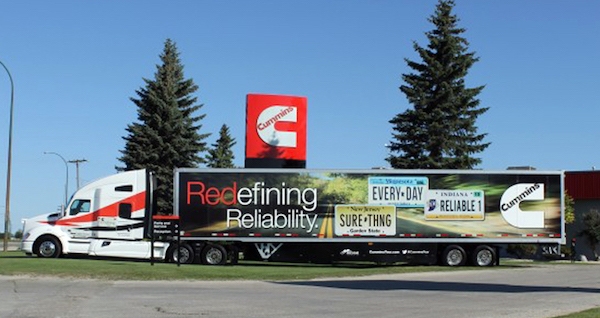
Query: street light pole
x=67, y=178
x=9, y=164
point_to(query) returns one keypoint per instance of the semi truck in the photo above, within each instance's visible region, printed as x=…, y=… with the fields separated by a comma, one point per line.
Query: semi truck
x=448, y=217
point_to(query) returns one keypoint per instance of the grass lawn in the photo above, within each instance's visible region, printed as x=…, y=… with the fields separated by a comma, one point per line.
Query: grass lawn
x=16, y=263
x=592, y=313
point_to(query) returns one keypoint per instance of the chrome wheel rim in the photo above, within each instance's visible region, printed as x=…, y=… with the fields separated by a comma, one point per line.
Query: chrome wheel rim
x=214, y=256
x=47, y=249
x=454, y=257
x=183, y=254
x=484, y=257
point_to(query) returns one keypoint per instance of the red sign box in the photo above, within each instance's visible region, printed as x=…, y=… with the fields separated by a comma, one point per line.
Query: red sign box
x=276, y=127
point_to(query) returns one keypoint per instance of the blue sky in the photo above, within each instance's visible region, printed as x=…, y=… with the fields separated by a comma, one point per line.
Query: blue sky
x=76, y=64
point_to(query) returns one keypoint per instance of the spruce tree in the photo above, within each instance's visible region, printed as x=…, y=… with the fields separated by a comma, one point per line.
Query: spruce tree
x=440, y=132
x=221, y=155
x=167, y=134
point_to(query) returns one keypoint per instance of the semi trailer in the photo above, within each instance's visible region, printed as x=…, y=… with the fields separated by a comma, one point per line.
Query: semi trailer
x=449, y=217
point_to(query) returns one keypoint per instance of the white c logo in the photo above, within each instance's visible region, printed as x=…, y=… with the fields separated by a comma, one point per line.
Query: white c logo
x=265, y=125
x=512, y=213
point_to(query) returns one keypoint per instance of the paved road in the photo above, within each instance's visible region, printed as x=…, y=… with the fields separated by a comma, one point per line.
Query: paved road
x=544, y=291
x=12, y=245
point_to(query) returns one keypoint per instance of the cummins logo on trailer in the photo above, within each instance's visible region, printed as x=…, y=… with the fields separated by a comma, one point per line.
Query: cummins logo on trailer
x=349, y=252
x=510, y=205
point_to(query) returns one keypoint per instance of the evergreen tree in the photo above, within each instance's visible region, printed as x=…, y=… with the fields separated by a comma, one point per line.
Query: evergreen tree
x=167, y=134
x=440, y=132
x=221, y=155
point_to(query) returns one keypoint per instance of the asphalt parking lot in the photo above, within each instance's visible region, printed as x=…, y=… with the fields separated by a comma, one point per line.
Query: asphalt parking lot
x=536, y=291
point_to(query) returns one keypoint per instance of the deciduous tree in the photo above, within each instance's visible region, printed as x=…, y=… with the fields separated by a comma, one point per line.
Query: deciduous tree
x=591, y=230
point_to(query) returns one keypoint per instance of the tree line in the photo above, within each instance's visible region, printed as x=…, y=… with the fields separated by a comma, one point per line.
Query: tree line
x=438, y=132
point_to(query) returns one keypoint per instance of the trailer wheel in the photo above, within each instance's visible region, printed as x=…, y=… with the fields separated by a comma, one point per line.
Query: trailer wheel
x=454, y=255
x=214, y=254
x=484, y=256
x=48, y=247
x=184, y=253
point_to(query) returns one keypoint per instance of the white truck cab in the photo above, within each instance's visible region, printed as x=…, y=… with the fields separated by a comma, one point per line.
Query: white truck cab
x=107, y=217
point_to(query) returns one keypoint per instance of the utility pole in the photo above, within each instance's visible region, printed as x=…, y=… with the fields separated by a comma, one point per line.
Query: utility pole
x=77, y=162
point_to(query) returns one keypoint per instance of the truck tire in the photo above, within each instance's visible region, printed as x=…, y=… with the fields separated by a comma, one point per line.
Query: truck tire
x=185, y=252
x=48, y=247
x=454, y=255
x=483, y=255
x=214, y=254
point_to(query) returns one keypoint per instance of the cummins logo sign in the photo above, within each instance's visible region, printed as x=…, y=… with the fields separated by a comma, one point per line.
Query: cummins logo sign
x=510, y=205
x=275, y=127
x=268, y=120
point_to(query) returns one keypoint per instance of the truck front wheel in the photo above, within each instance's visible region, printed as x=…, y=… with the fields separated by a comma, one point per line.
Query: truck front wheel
x=48, y=247
x=454, y=255
x=214, y=254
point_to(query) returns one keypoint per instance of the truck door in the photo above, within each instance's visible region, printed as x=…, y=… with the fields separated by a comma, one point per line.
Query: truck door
x=78, y=216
